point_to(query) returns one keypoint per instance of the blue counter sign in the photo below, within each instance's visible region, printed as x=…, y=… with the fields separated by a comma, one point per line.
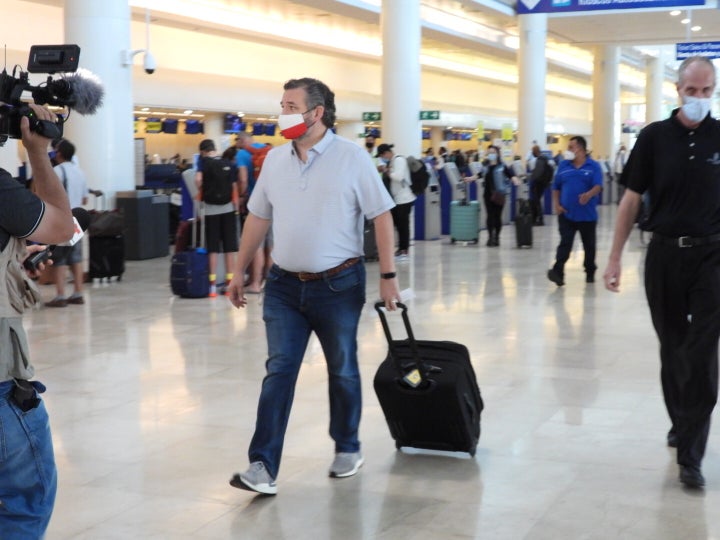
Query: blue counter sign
x=709, y=49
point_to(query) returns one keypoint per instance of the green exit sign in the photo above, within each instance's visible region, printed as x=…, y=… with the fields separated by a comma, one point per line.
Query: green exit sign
x=371, y=116
x=429, y=115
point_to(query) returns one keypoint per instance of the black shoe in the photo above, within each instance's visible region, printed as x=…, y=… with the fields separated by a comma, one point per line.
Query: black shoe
x=672, y=439
x=554, y=276
x=691, y=477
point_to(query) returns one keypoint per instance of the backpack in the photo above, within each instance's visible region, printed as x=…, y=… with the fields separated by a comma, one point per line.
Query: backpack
x=217, y=182
x=257, y=156
x=548, y=172
x=419, y=175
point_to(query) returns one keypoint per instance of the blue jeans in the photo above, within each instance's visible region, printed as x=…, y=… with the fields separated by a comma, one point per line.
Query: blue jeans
x=28, y=477
x=292, y=309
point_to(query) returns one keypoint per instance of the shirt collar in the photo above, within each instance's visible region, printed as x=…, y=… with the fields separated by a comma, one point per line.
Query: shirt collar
x=678, y=124
x=321, y=145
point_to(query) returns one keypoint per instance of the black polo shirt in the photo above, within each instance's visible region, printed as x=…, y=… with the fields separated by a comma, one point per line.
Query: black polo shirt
x=20, y=209
x=680, y=170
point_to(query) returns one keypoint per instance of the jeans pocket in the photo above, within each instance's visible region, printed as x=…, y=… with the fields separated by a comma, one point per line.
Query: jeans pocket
x=344, y=281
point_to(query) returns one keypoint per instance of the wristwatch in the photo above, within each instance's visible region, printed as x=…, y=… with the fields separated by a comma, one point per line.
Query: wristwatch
x=388, y=275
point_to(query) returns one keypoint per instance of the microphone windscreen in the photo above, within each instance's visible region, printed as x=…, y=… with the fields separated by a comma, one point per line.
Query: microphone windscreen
x=86, y=91
x=82, y=216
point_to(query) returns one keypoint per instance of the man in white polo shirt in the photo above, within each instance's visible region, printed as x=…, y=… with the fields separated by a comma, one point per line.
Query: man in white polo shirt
x=316, y=191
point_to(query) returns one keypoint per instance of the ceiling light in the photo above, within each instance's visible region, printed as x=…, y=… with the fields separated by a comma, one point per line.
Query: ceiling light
x=675, y=13
x=188, y=111
x=696, y=28
x=145, y=109
x=685, y=21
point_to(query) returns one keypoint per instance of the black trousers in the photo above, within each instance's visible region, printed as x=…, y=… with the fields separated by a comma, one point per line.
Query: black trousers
x=683, y=291
x=537, y=190
x=401, y=219
x=588, y=235
x=494, y=216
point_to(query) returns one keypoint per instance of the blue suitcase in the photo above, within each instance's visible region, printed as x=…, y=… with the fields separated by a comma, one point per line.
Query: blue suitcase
x=189, y=275
x=189, y=269
x=464, y=221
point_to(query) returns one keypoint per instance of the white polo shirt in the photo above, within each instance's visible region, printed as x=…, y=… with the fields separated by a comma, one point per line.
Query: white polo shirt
x=318, y=208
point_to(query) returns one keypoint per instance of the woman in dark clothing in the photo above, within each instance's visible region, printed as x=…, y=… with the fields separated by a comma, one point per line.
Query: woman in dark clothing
x=497, y=186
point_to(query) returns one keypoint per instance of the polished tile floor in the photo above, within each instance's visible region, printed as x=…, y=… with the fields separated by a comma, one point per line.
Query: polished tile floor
x=152, y=402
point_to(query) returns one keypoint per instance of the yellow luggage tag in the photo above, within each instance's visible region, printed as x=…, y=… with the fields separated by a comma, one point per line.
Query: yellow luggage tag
x=413, y=378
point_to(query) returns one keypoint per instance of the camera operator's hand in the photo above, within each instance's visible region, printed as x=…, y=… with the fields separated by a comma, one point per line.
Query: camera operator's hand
x=32, y=141
x=56, y=225
x=35, y=270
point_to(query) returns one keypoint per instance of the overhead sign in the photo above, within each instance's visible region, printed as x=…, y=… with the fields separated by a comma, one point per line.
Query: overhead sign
x=561, y=6
x=371, y=116
x=709, y=49
x=429, y=115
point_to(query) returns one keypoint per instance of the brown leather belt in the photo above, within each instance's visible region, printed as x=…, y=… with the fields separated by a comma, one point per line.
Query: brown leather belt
x=314, y=276
x=685, y=241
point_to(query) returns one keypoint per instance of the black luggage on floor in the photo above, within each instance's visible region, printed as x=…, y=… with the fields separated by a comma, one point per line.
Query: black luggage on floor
x=107, y=243
x=428, y=392
x=523, y=224
x=370, y=245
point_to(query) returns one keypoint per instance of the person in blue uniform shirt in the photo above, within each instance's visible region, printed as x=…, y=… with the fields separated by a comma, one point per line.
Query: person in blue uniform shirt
x=575, y=191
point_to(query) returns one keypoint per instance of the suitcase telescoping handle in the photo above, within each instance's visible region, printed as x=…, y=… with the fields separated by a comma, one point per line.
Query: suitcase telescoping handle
x=416, y=376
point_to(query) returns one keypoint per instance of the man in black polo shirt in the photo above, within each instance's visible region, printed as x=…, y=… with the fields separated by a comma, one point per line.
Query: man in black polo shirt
x=677, y=162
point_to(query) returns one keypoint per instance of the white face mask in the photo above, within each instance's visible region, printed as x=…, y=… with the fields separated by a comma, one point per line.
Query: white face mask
x=492, y=158
x=696, y=109
x=569, y=155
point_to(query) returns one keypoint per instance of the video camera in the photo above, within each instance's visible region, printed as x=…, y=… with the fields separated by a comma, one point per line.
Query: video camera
x=80, y=91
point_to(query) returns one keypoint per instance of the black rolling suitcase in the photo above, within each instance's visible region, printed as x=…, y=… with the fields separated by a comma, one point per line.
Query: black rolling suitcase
x=428, y=392
x=107, y=244
x=523, y=224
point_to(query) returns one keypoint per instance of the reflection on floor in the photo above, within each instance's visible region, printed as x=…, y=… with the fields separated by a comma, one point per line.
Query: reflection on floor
x=152, y=402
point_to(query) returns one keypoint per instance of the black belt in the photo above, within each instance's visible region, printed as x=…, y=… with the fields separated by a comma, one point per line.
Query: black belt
x=314, y=276
x=685, y=241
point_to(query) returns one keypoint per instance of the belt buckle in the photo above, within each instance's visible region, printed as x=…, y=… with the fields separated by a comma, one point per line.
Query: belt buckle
x=684, y=242
x=304, y=276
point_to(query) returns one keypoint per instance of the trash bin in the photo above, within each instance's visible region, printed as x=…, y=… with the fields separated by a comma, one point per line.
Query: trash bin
x=146, y=223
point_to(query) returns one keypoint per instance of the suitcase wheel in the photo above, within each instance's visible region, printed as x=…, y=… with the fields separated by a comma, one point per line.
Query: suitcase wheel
x=452, y=240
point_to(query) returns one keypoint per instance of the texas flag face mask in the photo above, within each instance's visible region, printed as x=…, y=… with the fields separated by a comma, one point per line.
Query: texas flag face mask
x=292, y=126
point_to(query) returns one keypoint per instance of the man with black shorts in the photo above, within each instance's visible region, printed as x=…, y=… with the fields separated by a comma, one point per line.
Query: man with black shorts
x=677, y=162
x=217, y=179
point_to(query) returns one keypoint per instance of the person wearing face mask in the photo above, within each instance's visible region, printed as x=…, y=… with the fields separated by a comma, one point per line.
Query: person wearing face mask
x=496, y=186
x=396, y=170
x=316, y=190
x=677, y=161
x=575, y=190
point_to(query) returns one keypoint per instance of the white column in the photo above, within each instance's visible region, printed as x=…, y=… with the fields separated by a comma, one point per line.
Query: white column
x=606, y=103
x=532, y=68
x=400, y=23
x=352, y=131
x=654, y=78
x=104, y=141
x=436, y=138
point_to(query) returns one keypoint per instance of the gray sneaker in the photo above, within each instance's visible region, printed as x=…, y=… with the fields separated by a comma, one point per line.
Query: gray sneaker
x=256, y=478
x=346, y=464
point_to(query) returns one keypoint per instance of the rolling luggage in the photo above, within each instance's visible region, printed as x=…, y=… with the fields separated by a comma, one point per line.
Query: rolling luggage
x=428, y=392
x=189, y=271
x=369, y=242
x=523, y=224
x=107, y=244
x=464, y=221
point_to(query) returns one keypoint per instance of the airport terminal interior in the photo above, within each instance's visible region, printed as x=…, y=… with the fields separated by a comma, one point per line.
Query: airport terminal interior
x=152, y=397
